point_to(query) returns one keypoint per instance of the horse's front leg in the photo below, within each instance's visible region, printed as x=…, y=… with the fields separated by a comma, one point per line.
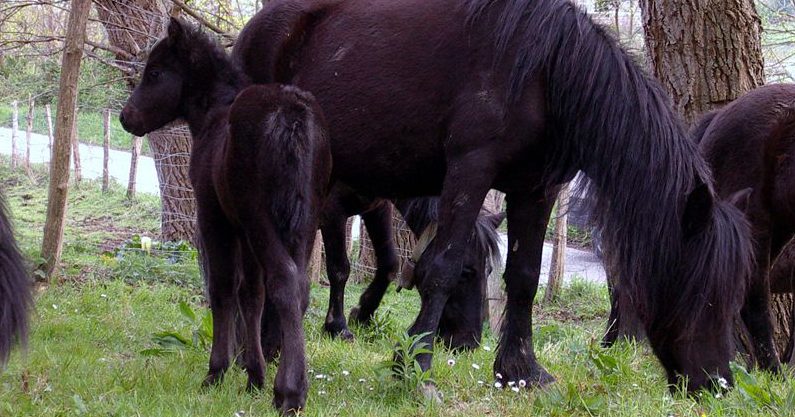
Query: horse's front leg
x=379, y=227
x=338, y=269
x=528, y=215
x=465, y=186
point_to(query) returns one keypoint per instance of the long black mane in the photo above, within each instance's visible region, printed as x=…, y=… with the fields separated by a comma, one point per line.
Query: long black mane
x=614, y=122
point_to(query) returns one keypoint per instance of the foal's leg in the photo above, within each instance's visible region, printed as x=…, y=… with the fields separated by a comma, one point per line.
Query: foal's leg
x=527, y=220
x=379, y=227
x=613, y=322
x=756, y=309
x=461, y=325
x=252, y=300
x=218, y=253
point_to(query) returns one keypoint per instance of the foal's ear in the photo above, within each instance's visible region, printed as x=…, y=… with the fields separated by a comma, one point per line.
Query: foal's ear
x=175, y=30
x=741, y=199
x=698, y=210
x=495, y=219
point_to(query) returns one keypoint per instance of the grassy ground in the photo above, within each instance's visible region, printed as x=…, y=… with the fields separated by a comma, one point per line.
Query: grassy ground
x=91, y=349
x=89, y=126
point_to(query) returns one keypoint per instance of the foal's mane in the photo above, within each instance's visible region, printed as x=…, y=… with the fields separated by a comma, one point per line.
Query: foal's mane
x=614, y=122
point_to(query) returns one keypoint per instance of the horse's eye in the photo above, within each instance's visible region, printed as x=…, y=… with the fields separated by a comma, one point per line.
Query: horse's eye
x=468, y=271
x=153, y=74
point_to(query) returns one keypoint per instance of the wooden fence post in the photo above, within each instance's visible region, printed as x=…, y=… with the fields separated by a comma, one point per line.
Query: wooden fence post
x=28, y=133
x=136, y=149
x=106, y=152
x=14, y=130
x=48, y=115
x=558, y=264
x=76, y=150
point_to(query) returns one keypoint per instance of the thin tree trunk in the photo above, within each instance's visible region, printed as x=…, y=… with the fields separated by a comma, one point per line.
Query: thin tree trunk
x=136, y=150
x=106, y=151
x=14, y=132
x=315, y=267
x=52, y=244
x=558, y=264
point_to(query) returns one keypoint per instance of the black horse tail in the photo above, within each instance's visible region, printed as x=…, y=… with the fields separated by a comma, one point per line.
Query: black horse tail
x=283, y=129
x=15, y=289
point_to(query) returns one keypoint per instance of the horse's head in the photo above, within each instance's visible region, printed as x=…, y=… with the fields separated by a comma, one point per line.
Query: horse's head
x=158, y=97
x=695, y=341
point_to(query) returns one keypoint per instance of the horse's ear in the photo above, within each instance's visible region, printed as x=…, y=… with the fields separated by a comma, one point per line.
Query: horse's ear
x=175, y=30
x=496, y=219
x=741, y=199
x=698, y=210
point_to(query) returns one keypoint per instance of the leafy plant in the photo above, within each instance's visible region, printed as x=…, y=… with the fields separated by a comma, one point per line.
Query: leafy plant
x=174, y=252
x=200, y=336
x=404, y=365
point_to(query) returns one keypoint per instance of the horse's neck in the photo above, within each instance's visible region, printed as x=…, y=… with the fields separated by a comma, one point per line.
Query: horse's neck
x=206, y=107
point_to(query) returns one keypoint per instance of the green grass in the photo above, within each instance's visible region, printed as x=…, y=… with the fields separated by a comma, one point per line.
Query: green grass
x=93, y=323
x=90, y=126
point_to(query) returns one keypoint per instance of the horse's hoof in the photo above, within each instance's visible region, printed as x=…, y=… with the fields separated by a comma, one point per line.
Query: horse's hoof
x=430, y=393
x=357, y=317
x=211, y=380
x=338, y=332
x=537, y=377
x=288, y=407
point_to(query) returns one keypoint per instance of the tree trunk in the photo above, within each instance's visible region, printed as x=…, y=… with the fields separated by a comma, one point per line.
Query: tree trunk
x=171, y=151
x=136, y=151
x=705, y=53
x=52, y=243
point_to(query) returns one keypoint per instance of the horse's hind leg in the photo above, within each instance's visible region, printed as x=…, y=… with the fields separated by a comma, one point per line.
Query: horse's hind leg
x=528, y=215
x=338, y=268
x=218, y=246
x=379, y=227
x=613, y=322
x=756, y=310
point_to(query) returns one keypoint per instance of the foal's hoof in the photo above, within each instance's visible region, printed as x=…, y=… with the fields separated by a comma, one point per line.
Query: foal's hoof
x=338, y=332
x=288, y=406
x=212, y=379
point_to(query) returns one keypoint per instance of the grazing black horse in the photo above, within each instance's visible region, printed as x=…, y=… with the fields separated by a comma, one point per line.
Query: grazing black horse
x=15, y=296
x=461, y=323
x=260, y=167
x=750, y=145
x=454, y=97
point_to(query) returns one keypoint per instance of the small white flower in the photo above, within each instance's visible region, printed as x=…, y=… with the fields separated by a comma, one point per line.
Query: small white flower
x=103, y=295
x=498, y=384
x=723, y=383
x=55, y=306
x=451, y=362
x=476, y=366
x=522, y=383
x=328, y=378
x=311, y=371
x=319, y=376
x=362, y=380
x=371, y=388
x=322, y=392
x=498, y=375
x=240, y=413
x=345, y=373
x=480, y=382
x=487, y=349
x=511, y=383
x=718, y=395
x=515, y=389
x=634, y=385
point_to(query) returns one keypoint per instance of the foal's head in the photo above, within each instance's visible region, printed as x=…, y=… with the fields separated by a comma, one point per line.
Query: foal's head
x=186, y=72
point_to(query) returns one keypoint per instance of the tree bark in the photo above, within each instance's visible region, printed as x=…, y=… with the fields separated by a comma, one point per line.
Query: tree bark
x=136, y=151
x=52, y=244
x=558, y=264
x=706, y=53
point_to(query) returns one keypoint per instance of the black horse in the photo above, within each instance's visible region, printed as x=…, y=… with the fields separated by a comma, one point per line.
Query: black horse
x=454, y=97
x=15, y=295
x=461, y=324
x=260, y=167
x=750, y=145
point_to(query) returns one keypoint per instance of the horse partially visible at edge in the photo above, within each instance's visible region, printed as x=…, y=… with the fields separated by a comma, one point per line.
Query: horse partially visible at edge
x=16, y=299
x=453, y=98
x=260, y=169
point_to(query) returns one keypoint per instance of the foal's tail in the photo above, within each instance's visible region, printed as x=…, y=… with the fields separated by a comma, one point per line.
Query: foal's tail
x=15, y=289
